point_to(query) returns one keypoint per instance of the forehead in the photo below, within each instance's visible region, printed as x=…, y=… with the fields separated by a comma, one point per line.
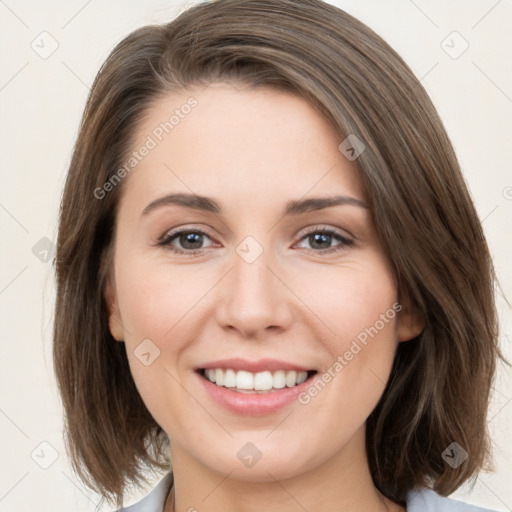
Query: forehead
x=232, y=141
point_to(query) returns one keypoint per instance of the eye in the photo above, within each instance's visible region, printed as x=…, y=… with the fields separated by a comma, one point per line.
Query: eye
x=190, y=240
x=319, y=238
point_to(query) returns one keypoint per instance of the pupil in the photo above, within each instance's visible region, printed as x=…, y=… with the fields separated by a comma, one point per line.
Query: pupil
x=318, y=238
x=191, y=238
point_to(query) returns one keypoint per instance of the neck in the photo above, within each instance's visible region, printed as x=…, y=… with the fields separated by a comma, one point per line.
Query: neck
x=341, y=484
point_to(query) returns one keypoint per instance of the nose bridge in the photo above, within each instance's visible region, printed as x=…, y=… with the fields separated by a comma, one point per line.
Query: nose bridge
x=255, y=298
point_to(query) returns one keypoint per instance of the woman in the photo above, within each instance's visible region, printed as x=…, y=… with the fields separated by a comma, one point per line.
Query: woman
x=273, y=373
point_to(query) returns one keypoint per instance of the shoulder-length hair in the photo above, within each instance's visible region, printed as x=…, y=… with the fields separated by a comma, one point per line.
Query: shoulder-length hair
x=438, y=390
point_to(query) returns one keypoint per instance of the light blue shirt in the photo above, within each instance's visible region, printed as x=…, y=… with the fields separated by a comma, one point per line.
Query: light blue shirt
x=420, y=500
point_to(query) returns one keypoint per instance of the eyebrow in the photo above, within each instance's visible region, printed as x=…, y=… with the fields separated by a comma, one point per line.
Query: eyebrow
x=292, y=207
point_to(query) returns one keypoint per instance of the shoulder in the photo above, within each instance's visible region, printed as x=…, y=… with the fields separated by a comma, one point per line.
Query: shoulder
x=424, y=499
x=155, y=500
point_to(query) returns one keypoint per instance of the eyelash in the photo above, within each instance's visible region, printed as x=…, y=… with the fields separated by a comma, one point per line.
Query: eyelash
x=165, y=241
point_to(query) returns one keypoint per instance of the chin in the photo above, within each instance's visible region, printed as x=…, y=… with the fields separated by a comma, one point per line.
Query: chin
x=260, y=461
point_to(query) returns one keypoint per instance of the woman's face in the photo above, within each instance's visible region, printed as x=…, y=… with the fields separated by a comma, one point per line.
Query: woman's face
x=263, y=282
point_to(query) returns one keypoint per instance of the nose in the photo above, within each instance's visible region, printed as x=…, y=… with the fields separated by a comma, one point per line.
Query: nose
x=255, y=298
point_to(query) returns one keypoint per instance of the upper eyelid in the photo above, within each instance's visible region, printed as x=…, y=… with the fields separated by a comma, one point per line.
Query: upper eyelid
x=178, y=231
x=319, y=227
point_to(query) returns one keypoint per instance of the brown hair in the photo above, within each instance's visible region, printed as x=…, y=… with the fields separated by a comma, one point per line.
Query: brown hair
x=439, y=387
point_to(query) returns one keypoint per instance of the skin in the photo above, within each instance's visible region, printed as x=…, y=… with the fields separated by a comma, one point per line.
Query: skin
x=253, y=151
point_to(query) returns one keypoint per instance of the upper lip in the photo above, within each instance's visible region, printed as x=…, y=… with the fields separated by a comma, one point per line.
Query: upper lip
x=254, y=366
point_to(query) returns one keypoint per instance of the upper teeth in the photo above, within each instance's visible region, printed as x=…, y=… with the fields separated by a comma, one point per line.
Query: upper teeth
x=261, y=381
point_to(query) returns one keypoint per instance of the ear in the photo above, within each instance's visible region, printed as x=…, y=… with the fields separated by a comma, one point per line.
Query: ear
x=114, y=317
x=410, y=323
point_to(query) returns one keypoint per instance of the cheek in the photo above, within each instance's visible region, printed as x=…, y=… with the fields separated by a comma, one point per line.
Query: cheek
x=352, y=299
x=157, y=303
x=156, y=298
x=359, y=305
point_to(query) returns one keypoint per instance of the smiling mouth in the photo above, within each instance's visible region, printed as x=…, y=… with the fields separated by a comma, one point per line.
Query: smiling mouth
x=243, y=381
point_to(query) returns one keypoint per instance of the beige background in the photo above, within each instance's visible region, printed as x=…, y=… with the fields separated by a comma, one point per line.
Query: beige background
x=41, y=102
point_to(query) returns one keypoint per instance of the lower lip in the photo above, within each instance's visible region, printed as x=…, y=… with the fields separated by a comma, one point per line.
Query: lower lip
x=253, y=404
